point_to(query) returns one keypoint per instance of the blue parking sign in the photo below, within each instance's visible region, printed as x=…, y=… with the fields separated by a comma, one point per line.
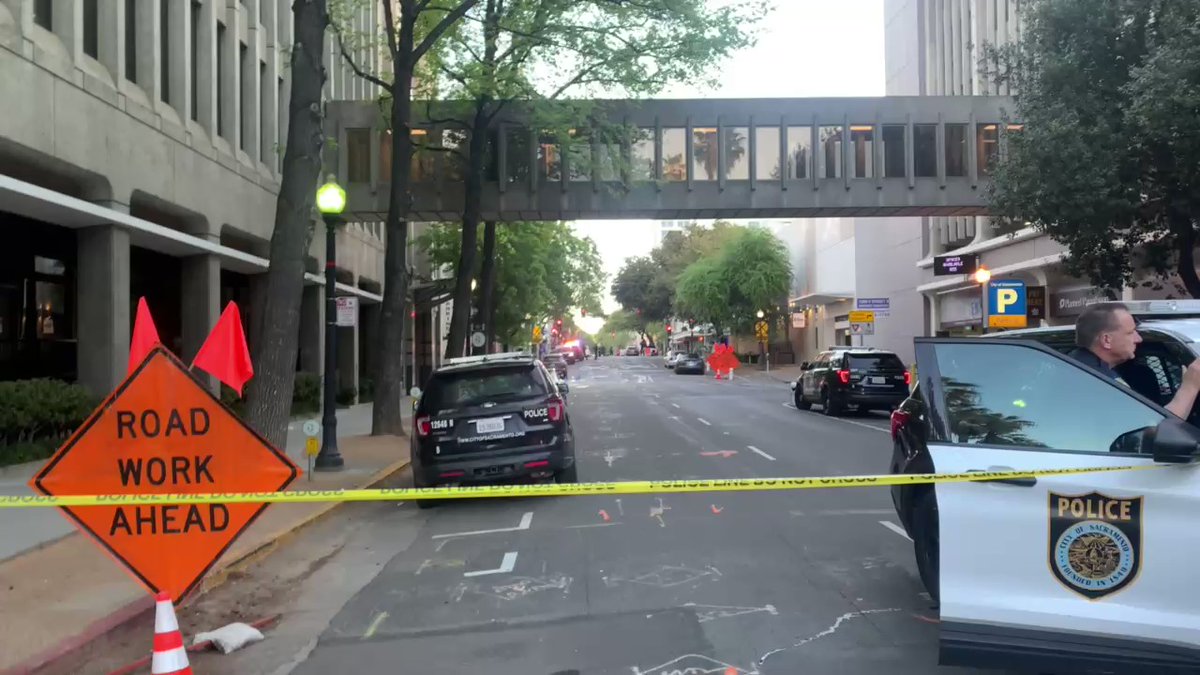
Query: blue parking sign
x=1006, y=304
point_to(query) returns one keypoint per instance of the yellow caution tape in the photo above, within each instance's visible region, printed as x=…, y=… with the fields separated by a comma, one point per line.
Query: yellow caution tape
x=542, y=490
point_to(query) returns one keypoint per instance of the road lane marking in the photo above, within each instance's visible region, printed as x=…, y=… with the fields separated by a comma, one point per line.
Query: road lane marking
x=577, y=527
x=506, y=566
x=525, y=521
x=846, y=421
x=375, y=623
x=895, y=528
x=724, y=454
x=760, y=452
x=704, y=422
x=676, y=405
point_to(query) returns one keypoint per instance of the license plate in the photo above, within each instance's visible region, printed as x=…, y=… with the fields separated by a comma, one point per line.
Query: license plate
x=878, y=380
x=490, y=425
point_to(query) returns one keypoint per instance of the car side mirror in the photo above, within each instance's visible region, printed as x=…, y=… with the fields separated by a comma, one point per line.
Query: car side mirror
x=1174, y=441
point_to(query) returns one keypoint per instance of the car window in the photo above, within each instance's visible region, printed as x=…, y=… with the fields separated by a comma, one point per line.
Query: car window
x=1014, y=395
x=875, y=361
x=466, y=388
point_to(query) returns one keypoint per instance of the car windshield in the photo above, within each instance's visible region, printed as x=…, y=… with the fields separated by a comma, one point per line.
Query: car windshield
x=452, y=390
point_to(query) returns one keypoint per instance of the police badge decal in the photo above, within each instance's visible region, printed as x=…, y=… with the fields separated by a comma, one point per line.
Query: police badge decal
x=1095, y=546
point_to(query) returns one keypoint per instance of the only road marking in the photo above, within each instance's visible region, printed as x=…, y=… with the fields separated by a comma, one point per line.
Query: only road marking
x=760, y=452
x=506, y=566
x=895, y=528
x=524, y=525
x=378, y=621
x=704, y=422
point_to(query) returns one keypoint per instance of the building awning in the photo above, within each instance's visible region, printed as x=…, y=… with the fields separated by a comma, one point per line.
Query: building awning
x=821, y=298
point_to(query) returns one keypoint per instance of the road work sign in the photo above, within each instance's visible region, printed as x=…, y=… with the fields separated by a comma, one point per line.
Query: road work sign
x=162, y=432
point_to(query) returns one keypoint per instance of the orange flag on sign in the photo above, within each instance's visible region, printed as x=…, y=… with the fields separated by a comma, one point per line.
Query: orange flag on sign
x=145, y=335
x=224, y=354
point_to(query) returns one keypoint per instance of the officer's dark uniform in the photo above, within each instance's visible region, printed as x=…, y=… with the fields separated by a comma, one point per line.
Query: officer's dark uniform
x=1089, y=359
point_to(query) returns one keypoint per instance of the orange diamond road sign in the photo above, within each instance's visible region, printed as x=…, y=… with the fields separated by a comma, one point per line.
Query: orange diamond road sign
x=161, y=431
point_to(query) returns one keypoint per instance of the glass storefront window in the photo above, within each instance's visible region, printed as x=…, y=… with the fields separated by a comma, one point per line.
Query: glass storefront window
x=956, y=149
x=674, y=154
x=987, y=147
x=862, y=150
x=893, y=151
x=799, y=152
x=737, y=153
x=548, y=159
x=766, y=153
x=831, y=152
x=516, y=165
x=925, y=150
x=51, y=301
x=705, y=150
x=358, y=155
x=49, y=266
x=642, y=155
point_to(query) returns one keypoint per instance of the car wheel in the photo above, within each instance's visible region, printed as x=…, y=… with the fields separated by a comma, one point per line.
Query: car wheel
x=926, y=541
x=568, y=475
x=424, y=503
x=828, y=406
x=798, y=398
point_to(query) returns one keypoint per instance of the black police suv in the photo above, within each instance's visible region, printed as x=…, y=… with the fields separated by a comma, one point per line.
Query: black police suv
x=866, y=378
x=493, y=418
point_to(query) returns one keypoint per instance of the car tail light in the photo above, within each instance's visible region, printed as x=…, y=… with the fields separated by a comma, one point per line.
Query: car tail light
x=899, y=419
x=452, y=474
x=554, y=409
x=537, y=465
x=424, y=428
x=908, y=377
x=844, y=376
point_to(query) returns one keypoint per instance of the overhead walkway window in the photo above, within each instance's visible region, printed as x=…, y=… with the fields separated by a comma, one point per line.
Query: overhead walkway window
x=799, y=152
x=358, y=155
x=831, y=152
x=705, y=150
x=862, y=150
x=987, y=147
x=674, y=154
x=422, y=169
x=516, y=164
x=925, y=150
x=549, y=159
x=642, y=155
x=956, y=149
x=766, y=153
x=737, y=153
x=608, y=161
x=894, y=165
x=579, y=155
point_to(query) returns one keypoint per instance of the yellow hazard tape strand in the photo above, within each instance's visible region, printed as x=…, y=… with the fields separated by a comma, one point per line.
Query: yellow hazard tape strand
x=543, y=490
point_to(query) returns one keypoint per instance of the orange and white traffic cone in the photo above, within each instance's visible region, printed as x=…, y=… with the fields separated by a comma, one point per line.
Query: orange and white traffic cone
x=170, y=656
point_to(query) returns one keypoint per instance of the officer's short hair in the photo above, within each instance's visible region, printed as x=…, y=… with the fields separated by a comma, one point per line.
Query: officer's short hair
x=1096, y=319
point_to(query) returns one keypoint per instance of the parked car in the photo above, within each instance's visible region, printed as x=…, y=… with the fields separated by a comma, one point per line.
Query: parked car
x=493, y=418
x=556, y=362
x=631, y=351
x=671, y=358
x=866, y=378
x=690, y=363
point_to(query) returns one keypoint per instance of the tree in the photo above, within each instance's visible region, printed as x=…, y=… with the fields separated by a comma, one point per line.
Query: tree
x=636, y=289
x=408, y=38
x=269, y=396
x=564, y=51
x=750, y=273
x=1108, y=161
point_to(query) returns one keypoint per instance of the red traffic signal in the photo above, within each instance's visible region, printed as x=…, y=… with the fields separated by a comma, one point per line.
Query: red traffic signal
x=554, y=331
x=669, y=329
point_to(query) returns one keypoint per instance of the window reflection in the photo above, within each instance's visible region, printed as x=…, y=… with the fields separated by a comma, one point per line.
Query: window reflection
x=956, y=149
x=642, y=155
x=674, y=154
x=925, y=150
x=608, y=161
x=893, y=151
x=862, y=150
x=737, y=153
x=51, y=305
x=423, y=156
x=799, y=152
x=1011, y=395
x=766, y=153
x=549, y=160
x=705, y=148
x=579, y=156
x=453, y=158
x=831, y=152
x=516, y=154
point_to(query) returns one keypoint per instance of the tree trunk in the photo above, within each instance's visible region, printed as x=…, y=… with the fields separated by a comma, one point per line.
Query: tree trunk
x=487, y=283
x=389, y=346
x=472, y=191
x=1185, y=233
x=269, y=397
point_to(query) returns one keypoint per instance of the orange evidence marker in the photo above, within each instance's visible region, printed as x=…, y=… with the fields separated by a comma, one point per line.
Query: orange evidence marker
x=604, y=515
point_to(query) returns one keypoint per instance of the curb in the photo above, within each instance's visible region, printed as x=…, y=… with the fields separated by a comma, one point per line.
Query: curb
x=219, y=574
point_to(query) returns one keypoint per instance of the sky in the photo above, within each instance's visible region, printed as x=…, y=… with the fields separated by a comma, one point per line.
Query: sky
x=806, y=48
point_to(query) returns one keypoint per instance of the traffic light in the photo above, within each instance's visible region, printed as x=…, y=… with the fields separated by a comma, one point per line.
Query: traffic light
x=669, y=329
x=559, y=322
x=554, y=332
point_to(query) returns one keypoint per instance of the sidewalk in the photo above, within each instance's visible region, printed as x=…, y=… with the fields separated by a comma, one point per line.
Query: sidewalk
x=62, y=594
x=786, y=374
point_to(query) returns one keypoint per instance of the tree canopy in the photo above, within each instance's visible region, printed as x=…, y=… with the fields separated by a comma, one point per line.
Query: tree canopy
x=1108, y=161
x=543, y=270
x=750, y=272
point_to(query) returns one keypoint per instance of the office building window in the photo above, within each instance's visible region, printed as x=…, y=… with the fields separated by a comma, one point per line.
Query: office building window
x=264, y=95
x=131, y=40
x=281, y=125
x=831, y=152
x=243, y=104
x=894, y=165
x=642, y=155
x=516, y=160
x=221, y=79
x=164, y=49
x=987, y=146
x=737, y=153
x=674, y=154
x=799, y=152
x=194, y=38
x=766, y=153
x=705, y=149
x=358, y=155
x=862, y=150
x=43, y=13
x=91, y=28
x=925, y=150
x=956, y=149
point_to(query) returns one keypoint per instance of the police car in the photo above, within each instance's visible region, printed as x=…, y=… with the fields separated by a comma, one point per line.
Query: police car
x=492, y=418
x=1086, y=572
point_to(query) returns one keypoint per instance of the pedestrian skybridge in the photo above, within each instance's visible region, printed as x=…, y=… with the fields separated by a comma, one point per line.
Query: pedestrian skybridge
x=667, y=159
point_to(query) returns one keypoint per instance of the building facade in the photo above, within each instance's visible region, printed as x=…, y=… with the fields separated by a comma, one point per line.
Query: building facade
x=140, y=150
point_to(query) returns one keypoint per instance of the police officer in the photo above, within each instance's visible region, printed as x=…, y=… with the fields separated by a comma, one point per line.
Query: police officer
x=1106, y=336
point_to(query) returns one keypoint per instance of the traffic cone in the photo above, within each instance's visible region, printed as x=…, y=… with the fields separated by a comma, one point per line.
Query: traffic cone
x=170, y=656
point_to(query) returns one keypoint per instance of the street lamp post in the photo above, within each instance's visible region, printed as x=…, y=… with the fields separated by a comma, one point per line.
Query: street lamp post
x=982, y=276
x=331, y=201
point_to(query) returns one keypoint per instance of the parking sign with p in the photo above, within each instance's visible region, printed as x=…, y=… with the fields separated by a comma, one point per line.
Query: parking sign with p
x=1006, y=304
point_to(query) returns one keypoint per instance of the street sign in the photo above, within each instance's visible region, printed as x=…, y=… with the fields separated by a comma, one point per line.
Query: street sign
x=799, y=320
x=864, y=328
x=762, y=331
x=347, y=310
x=312, y=446
x=862, y=317
x=478, y=339
x=1006, y=304
x=1035, y=303
x=311, y=427
x=537, y=334
x=880, y=306
x=162, y=432
x=949, y=265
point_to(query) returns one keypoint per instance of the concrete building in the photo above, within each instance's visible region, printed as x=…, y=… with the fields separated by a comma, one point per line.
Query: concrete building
x=140, y=149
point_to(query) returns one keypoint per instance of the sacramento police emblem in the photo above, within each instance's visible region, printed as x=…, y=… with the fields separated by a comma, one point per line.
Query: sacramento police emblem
x=1095, y=542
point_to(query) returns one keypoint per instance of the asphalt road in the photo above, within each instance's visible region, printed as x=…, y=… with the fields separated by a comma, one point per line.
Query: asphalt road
x=815, y=581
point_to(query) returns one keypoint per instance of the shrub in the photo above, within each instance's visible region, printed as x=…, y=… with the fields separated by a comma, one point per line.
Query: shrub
x=306, y=395
x=36, y=416
x=366, y=390
x=346, y=396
